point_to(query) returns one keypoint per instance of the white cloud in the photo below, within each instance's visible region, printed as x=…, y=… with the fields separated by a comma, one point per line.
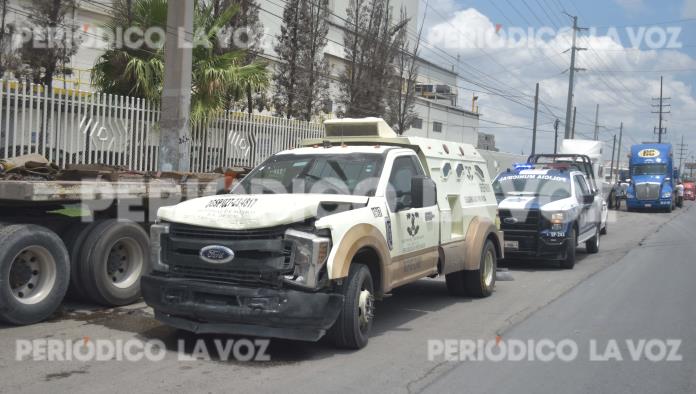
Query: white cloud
x=689, y=10
x=623, y=96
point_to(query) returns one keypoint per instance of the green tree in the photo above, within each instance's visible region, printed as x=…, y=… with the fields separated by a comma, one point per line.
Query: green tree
x=48, y=52
x=139, y=70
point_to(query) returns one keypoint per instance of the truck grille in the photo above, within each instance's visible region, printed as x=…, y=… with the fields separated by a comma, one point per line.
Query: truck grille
x=648, y=191
x=261, y=257
x=519, y=219
x=186, y=231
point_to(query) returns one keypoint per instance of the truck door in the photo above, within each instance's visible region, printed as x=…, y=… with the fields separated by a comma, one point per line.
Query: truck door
x=588, y=212
x=415, y=230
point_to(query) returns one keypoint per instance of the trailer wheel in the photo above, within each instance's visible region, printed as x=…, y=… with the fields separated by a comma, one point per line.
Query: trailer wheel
x=74, y=240
x=34, y=273
x=111, y=261
x=353, y=325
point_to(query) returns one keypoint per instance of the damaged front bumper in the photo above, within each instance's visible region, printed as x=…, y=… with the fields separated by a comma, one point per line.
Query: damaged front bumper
x=205, y=307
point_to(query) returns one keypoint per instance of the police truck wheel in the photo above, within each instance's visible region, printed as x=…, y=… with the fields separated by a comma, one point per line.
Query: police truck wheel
x=111, y=261
x=480, y=283
x=592, y=244
x=571, y=245
x=34, y=273
x=353, y=325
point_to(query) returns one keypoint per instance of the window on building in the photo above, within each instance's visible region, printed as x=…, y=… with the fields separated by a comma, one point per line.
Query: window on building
x=417, y=123
x=437, y=127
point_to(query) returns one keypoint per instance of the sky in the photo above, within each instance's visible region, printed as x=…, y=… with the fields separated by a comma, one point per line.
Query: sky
x=502, y=48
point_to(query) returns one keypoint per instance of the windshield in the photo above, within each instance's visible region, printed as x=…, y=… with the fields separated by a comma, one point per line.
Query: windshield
x=649, y=169
x=352, y=174
x=549, y=187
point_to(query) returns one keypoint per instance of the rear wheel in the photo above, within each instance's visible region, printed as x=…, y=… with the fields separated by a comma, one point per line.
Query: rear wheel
x=74, y=239
x=480, y=283
x=112, y=259
x=571, y=245
x=353, y=325
x=592, y=244
x=34, y=273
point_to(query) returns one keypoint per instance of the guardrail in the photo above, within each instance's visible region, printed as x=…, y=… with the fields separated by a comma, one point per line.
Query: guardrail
x=78, y=127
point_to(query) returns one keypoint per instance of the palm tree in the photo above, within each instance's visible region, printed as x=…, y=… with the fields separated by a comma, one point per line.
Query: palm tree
x=139, y=71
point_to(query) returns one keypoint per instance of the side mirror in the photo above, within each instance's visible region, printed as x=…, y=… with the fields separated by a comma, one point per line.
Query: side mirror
x=423, y=192
x=588, y=198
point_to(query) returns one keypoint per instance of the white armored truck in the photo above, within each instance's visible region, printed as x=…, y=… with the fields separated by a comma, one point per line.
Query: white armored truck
x=306, y=243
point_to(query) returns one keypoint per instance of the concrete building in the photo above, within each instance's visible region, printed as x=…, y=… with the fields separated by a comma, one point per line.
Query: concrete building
x=487, y=142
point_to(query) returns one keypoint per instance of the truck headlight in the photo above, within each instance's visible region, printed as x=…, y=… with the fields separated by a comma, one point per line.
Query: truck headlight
x=310, y=254
x=557, y=220
x=156, y=232
x=666, y=194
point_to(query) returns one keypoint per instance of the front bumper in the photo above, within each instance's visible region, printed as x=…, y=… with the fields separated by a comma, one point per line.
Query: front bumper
x=204, y=307
x=531, y=245
x=648, y=204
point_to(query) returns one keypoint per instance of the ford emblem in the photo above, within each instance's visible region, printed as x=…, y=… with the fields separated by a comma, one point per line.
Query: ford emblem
x=217, y=254
x=510, y=220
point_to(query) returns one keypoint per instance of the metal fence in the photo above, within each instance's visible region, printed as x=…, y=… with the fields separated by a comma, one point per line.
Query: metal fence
x=77, y=127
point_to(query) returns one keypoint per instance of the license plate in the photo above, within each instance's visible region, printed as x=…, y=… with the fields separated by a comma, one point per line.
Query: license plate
x=648, y=205
x=512, y=245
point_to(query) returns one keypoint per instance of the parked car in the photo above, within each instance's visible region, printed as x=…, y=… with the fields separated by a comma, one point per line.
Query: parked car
x=546, y=213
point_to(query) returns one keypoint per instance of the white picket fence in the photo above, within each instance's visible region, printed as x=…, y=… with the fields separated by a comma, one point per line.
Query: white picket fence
x=76, y=127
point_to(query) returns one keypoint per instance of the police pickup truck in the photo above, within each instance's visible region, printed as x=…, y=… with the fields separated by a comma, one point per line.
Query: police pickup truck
x=309, y=240
x=546, y=212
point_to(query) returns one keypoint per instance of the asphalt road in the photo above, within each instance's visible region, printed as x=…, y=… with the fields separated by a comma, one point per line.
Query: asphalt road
x=599, y=298
x=648, y=296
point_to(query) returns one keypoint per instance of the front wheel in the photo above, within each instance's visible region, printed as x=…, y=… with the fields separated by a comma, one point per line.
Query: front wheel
x=353, y=325
x=571, y=245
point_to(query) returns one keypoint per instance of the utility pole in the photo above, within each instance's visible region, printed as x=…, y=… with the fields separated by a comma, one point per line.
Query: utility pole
x=536, y=114
x=596, y=124
x=618, y=155
x=575, y=114
x=661, y=111
x=611, y=166
x=555, y=139
x=571, y=72
x=175, y=134
x=682, y=152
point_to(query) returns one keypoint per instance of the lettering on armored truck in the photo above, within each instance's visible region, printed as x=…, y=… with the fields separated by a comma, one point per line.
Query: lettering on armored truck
x=244, y=202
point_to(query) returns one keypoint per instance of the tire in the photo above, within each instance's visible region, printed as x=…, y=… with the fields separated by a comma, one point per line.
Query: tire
x=74, y=240
x=592, y=244
x=571, y=246
x=480, y=283
x=112, y=259
x=34, y=273
x=353, y=325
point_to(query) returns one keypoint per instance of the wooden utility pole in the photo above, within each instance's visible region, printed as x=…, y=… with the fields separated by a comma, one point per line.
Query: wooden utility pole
x=618, y=156
x=571, y=78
